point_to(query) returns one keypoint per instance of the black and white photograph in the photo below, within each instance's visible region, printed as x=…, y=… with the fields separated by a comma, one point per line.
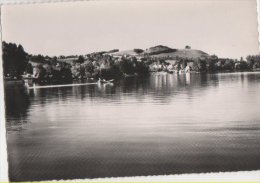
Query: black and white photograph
x=114, y=89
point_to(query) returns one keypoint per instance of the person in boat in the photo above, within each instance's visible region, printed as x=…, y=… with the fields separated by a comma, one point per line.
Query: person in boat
x=101, y=80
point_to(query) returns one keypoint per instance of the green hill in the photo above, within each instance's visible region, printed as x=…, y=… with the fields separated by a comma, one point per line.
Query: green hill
x=160, y=49
x=184, y=53
x=133, y=52
x=164, y=51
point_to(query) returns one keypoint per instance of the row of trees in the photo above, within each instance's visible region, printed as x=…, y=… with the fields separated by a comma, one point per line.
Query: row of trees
x=220, y=65
x=253, y=61
x=210, y=64
x=16, y=62
x=106, y=67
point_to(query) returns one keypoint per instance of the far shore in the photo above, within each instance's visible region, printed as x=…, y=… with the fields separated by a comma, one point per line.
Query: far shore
x=115, y=64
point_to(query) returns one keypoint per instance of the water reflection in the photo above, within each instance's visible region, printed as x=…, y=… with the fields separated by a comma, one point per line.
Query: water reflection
x=163, y=124
x=158, y=87
x=17, y=103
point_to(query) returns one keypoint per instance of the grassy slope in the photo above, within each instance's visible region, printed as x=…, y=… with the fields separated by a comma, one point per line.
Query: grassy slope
x=126, y=52
x=163, y=51
x=184, y=53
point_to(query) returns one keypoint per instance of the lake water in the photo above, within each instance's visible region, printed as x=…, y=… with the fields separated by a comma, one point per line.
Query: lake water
x=164, y=124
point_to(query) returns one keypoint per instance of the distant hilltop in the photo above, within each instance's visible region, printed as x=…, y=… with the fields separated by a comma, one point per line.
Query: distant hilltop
x=164, y=52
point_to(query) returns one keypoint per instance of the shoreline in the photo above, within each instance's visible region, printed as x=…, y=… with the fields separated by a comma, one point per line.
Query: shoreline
x=151, y=72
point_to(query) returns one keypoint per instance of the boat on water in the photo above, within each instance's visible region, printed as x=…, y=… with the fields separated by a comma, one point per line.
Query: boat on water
x=104, y=81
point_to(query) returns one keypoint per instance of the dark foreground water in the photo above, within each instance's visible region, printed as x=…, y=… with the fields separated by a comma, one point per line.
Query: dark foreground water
x=165, y=124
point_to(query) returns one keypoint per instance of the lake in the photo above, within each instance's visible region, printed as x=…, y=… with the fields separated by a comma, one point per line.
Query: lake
x=164, y=124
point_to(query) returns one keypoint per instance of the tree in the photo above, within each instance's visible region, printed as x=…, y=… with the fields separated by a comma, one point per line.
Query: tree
x=38, y=58
x=211, y=65
x=29, y=68
x=89, y=67
x=241, y=66
x=138, y=51
x=142, y=69
x=200, y=65
x=14, y=59
x=80, y=59
x=127, y=67
x=253, y=61
x=229, y=65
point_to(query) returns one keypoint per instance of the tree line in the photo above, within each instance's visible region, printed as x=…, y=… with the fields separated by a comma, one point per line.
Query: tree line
x=17, y=62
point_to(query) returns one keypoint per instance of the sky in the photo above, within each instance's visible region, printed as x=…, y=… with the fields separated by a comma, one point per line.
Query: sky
x=227, y=28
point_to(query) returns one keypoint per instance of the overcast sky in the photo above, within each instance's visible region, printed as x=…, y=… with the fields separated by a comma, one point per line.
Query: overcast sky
x=227, y=28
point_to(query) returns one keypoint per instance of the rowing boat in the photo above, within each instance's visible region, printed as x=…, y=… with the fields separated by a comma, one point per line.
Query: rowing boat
x=103, y=81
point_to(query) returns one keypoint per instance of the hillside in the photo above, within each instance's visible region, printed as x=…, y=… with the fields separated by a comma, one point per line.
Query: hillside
x=163, y=51
x=160, y=49
x=133, y=52
x=184, y=53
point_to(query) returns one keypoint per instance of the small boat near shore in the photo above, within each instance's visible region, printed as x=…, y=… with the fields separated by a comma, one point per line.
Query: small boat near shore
x=104, y=81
